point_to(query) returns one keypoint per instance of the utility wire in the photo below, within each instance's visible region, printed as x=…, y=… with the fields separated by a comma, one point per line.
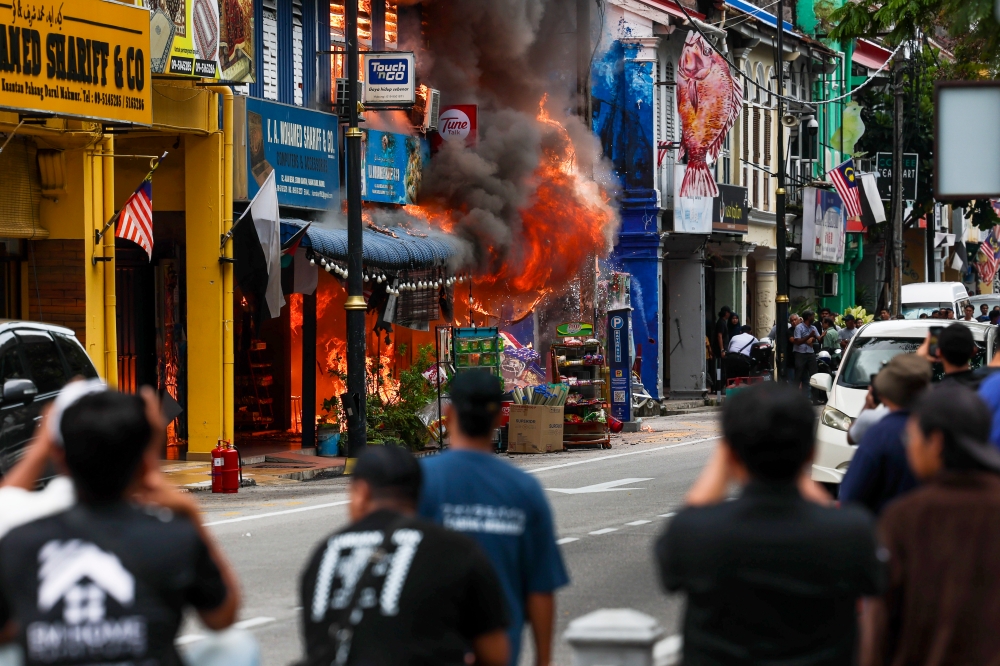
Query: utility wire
x=691, y=20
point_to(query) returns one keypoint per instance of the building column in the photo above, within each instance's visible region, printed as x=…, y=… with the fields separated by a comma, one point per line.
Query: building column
x=638, y=249
x=93, y=202
x=203, y=222
x=686, y=318
x=767, y=289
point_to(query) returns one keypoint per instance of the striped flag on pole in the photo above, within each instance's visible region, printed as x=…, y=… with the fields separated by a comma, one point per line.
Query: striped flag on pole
x=845, y=182
x=135, y=220
x=989, y=257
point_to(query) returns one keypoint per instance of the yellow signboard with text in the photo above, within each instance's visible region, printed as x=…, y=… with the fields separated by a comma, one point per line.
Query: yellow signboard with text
x=81, y=59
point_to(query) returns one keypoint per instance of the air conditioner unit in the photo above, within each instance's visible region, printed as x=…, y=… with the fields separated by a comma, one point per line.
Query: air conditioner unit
x=424, y=114
x=341, y=107
x=830, y=284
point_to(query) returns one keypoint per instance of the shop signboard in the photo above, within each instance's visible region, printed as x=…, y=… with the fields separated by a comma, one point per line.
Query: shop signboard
x=184, y=37
x=299, y=145
x=824, y=226
x=85, y=59
x=391, y=167
x=883, y=165
x=390, y=79
x=731, y=210
x=459, y=123
x=620, y=363
x=692, y=214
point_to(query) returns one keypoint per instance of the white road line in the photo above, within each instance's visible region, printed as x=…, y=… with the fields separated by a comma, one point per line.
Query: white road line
x=606, y=530
x=606, y=487
x=245, y=624
x=639, y=522
x=668, y=515
x=277, y=513
x=620, y=455
x=566, y=540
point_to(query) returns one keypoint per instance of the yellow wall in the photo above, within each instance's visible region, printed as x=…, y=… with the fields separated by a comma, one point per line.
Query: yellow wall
x=203, y=205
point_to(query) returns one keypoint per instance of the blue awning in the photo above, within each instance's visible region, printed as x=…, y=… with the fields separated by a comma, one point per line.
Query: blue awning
x=765, y=17
x=407, y=251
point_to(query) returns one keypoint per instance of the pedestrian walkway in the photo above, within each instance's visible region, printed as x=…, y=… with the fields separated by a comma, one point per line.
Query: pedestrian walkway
x=263, y=470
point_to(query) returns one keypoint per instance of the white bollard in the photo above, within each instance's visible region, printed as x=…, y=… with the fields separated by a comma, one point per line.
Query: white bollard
x=613, y=637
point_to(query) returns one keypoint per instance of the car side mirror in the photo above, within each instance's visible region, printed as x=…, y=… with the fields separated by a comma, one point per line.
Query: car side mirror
x=822, y=382
x=19, y=391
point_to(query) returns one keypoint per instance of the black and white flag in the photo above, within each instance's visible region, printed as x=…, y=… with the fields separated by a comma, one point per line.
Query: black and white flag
x=257, y=248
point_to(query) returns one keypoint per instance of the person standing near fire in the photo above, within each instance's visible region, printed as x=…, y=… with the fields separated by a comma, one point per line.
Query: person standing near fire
x=471, y=490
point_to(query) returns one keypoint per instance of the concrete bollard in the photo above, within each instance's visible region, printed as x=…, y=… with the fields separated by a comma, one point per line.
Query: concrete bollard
x=619, y=637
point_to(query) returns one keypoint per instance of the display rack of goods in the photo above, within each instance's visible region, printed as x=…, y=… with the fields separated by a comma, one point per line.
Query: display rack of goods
x=578, y=363
x=476, y=348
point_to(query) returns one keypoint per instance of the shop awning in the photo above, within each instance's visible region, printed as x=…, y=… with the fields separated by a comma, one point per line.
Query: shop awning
x=869, y=54
x=767, y=18
x=404, y=251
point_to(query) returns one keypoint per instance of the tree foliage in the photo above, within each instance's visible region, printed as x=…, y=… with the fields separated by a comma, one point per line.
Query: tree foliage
x=968, y=27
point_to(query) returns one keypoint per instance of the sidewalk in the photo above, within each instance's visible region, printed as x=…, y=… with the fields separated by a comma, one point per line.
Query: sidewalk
x=272, y=469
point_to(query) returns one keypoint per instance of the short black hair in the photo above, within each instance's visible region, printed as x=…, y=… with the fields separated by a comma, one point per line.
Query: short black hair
x=105, y=436
x=848, y=317
x=955, y=411
x=391, y=472
x=828, y=321
x=725, y=310
x=746, y=328
x=770, y=427
x=956, y=344
x=994, y=313
x=477, y=396
x=807, y=314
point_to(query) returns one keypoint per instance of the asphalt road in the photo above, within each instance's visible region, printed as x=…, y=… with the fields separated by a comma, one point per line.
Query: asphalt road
x=609, y=507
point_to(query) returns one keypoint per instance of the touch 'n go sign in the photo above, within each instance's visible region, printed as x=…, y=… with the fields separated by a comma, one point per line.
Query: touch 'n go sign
x=389, y=79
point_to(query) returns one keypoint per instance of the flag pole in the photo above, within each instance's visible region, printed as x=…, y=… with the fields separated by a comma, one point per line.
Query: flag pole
x=98, y=235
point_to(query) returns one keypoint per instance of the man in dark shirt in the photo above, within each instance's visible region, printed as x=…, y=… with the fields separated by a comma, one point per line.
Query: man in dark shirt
x=955, y=349
x=984, y=313
x=771, y=578
x=720, y=337
x=879, y=472
x=392, y=588
x=943, y=540
x=107, y=581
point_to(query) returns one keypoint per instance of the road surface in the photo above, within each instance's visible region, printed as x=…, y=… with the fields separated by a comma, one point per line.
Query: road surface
x=609, y=507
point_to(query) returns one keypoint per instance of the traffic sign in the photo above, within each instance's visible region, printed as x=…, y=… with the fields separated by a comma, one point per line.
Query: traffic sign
x=883, y=166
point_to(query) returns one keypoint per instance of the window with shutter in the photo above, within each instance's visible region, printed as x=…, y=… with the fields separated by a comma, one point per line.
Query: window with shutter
x=270, y=49
x=297, y=79
x=745, y=147
x=666, y=123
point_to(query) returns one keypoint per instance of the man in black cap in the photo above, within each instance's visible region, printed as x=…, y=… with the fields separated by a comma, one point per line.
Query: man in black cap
x=469, y=489
x=943, y=541
x=394, y=589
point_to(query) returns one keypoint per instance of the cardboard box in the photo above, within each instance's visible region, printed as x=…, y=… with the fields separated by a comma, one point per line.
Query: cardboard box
x=535, y=429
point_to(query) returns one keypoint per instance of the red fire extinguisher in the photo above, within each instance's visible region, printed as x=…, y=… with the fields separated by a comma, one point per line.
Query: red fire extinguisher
x=226, y=470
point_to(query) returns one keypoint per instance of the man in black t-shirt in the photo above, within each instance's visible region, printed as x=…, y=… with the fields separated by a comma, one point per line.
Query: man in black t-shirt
x=392, y=588
x=106, y=582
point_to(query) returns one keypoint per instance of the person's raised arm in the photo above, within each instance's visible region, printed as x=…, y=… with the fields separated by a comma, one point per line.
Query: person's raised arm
x=26, y=473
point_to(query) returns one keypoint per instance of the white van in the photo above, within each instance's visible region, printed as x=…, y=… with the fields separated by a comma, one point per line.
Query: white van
x=924, y=297
x=870, y=348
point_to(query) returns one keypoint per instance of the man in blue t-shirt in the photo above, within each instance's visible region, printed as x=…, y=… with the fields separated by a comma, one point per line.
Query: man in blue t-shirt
x=470, y=490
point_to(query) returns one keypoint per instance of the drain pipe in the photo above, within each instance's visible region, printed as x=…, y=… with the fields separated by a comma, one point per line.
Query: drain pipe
x=226, y=264
x=110, y=300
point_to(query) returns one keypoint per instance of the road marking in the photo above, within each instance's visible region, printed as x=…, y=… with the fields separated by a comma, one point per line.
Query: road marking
x=606, y=530
x=620, y=455
x=245, y=624
x=278, y=513
x=606, y=487
x=668, y=515
x=566, y=540
x=639, y=522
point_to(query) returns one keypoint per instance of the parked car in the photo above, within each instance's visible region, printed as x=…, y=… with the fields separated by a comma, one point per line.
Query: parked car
x=924, y=297
x=870, y=349
x=36, y=361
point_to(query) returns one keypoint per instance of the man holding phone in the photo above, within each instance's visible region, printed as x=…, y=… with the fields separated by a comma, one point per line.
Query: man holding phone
x=953, y=347
x=805, y=337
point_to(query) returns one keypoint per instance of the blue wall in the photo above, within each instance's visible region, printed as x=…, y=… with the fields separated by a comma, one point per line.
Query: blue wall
x=622, y=93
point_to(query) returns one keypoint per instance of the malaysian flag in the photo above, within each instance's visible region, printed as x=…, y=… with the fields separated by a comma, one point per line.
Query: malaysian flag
x=989, y=257
x=846, y=184
x=135, y=219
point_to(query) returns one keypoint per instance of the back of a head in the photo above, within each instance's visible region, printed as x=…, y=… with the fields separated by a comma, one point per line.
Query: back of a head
x=746, y=328
x=770, y=427
x=963, y=419
x=391, y=472
x=956, y=344
x=903, y=379
x=477, y=397
x=725, y=310
x=104, y=437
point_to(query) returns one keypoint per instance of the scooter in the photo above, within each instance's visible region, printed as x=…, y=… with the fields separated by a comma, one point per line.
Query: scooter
x=825, y=364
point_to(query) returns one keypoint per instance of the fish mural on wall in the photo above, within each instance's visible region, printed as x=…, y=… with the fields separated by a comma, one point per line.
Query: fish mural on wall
x=708, y=101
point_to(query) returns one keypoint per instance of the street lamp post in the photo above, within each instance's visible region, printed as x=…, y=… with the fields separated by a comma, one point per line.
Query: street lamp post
x=355, y=305
x=781, y=300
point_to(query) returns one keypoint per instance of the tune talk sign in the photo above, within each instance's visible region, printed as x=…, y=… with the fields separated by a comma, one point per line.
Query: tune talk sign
x=459, y=122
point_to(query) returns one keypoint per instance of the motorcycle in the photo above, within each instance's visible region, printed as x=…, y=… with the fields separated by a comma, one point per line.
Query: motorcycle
x=760, y=362
x=826, y=363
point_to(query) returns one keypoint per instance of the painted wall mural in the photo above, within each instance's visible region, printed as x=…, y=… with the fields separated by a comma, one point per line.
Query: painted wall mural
x=708, y=101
